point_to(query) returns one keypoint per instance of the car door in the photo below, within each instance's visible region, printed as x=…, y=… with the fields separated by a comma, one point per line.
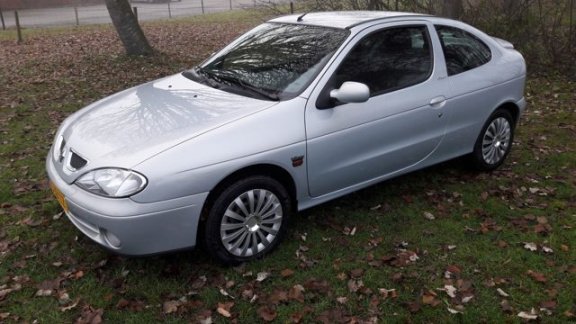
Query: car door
x=354, y=144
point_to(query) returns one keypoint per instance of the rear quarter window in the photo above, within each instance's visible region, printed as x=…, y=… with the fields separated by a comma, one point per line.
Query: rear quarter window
x=462, y=50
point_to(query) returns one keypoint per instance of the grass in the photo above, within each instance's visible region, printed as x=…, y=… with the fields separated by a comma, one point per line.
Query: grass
x=482, y=220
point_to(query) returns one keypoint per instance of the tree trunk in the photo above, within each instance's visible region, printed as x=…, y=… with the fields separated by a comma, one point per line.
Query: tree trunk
x=127, y=27
x=452, y=8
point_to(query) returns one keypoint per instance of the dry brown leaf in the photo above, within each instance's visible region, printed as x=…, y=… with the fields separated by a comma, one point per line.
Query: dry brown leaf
x=199, y=282
x=267, y=313
x=278, y=296
x=90, y=315
x=354, y=285
x=224, y=309
x=171, y=306
x=342, y=300
x=537, y=276
x=549, y=304
x=286, y=273
x=356, y=273
x=296, y=293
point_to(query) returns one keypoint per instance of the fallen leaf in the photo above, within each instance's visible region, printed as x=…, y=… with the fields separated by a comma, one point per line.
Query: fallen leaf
x=5, y=292
x=454, y=311
x=430, y=299
x=528, y=316
x=356, y=273
x=43, y=293
x=90, y=315
x=171, y=306
x=354, y=285
x=225, y=293
x=413, y=307
x=199, y=282
x=530, y=246
x=429, y=216
x=224, y=309
x=547, y=249
x=267, y=313
x=536, y=276
x=71, y=306
x=278, y=296
x=342, y=300
x=506, y=307
x=549, y=304
x=502, y=292
x=261, y=276
x=450, y=290
x=467, y=299
x=205, y=320
x=286, y=273
x=296, y=293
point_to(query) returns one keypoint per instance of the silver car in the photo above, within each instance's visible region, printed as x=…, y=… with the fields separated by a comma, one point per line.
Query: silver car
x=298, y=111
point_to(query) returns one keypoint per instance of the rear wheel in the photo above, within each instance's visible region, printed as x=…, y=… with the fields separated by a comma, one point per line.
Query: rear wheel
x=247, y=220
x=494, y=142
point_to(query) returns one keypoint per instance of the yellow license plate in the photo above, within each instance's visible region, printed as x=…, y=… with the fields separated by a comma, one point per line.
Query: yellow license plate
x=59, y=196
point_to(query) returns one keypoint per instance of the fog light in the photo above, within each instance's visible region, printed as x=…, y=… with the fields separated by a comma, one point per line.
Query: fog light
x=112, y=239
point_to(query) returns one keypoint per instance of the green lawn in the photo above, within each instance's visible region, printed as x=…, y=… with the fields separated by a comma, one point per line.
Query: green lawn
x=370, y=255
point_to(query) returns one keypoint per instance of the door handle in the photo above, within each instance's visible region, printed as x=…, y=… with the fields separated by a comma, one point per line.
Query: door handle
x=437, y=101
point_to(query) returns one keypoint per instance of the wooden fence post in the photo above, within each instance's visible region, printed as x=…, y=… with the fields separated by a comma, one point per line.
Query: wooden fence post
x=135, y=9
x=230, y=4
x=169, y=10
x=291, y=7
x=2, y=18
x=76, y=15
x=17, y=20
x=571, y=31
x=202, y=4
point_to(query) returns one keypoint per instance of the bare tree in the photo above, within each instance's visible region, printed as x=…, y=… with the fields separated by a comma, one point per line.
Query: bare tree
x=452, y=8
x=126, y=25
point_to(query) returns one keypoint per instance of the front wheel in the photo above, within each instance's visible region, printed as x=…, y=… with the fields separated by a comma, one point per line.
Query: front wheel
x=247, y=220
x=494, y=141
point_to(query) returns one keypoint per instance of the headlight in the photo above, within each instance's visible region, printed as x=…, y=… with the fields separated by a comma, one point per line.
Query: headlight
x=114, y=183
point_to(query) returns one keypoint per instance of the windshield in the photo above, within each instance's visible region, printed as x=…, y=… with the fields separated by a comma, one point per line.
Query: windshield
x=272, y=62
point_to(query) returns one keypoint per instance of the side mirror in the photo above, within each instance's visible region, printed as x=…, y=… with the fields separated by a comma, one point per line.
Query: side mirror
x=351, y=92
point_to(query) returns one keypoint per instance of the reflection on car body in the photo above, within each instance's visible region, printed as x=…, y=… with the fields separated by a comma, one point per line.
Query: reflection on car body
x=296, y=112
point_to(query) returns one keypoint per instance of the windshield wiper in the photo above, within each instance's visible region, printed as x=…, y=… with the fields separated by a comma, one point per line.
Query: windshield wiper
x=238, y=83
x=196, y=74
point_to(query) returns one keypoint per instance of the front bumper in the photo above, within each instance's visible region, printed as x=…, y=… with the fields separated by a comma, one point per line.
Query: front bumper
x=128, y=227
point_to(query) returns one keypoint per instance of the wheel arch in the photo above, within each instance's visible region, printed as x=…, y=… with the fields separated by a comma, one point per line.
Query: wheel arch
x=273, y=171
x=512, y=108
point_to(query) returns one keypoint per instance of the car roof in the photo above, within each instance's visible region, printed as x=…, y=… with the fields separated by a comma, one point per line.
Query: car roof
x=341, y=19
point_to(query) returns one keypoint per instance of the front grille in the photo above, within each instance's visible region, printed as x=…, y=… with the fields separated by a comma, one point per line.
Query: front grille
x=76, y=161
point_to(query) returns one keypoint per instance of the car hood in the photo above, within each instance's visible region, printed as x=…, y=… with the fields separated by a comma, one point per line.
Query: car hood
x=136, y=124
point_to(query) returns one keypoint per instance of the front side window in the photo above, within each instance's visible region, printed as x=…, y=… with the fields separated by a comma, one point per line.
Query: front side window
x=462, y=50
x=273, y=61
x=388, y=60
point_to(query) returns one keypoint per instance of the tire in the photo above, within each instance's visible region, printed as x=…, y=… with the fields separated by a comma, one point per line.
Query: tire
x=494, y=141
x=247, y=220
